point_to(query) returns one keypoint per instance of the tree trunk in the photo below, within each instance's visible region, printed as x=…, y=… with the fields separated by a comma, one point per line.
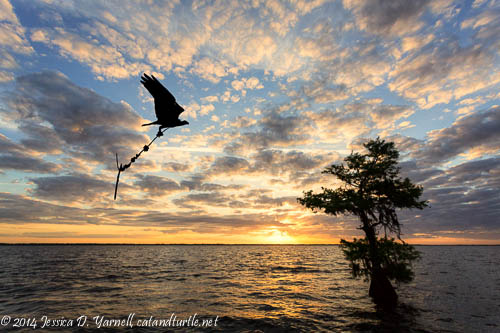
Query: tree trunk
x=381, y=290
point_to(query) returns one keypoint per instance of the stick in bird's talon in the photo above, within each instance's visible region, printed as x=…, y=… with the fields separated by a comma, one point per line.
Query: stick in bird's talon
x=160, y=133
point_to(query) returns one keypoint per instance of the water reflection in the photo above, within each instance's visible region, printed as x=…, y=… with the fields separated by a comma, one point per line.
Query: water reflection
x=266, y=288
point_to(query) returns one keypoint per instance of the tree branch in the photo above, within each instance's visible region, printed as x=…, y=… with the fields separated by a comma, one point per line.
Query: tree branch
x=122, y=167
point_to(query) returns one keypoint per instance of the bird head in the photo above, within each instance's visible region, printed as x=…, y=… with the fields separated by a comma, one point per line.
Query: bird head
x=184, y=122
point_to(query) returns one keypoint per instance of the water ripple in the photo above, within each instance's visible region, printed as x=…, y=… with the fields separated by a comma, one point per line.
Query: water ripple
x=250, y=288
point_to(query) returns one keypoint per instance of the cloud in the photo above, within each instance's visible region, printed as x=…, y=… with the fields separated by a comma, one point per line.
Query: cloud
x=104, y=60
x=344, y=72
x=18, y=209
x=486, y=17
x=238, y=84
x=463, y=198
x=276, y=162
x=283, y=170
x=250, y=83
x=274, y=129
x=325, y=94
x=210, y=199
x=11, y=31
x=49, y=108
x=116, y=45
x=226, y=97
x=211, y=41
x=191, y=110
x=65, y=235
x=206, y=109
x=387, y=17
x=14, y=156
x=474, y=135
x=229, y=165
x=254, y=199
x=211, y=70
x=240, y=122
x=266, y=202
x=6, y=76
x=385, y=115
x=22, y=162
x=12, y=40
x=156, y=185
x=72, y=188
x=339, y=125
x=479, y=173
x=7, y=12
x=210, y=99
x=177, y=167
x=411, y=43
x=50, y=144
x=444, y=70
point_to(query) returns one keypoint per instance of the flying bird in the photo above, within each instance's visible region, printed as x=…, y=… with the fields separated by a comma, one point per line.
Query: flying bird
x=166, y=108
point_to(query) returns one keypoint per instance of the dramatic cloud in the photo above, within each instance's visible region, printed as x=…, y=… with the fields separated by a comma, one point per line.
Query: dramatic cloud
x=276, y=162
x=463, y=198
x=16, y=157
x=71, y=188
x=117, y=42
x=275, y=129
x=229, y=165
x=473, y=135
x=387, y=16
x=157, y=186
x=18, y=209
x=50, y=108
x=22, y=162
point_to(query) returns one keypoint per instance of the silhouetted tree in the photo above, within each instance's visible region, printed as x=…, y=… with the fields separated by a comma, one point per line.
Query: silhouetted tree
x=372, y=190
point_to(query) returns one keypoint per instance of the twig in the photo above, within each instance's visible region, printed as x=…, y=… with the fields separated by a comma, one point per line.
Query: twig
x=122, y=167
x=118, y=176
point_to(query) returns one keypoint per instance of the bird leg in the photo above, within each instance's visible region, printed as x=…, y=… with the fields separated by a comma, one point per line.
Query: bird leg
x=160, y=132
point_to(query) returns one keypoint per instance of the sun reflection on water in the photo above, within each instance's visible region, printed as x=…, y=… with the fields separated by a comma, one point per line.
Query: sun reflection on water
x=270, y=288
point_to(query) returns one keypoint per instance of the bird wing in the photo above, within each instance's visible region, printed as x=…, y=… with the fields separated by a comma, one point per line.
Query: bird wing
x=164, y=100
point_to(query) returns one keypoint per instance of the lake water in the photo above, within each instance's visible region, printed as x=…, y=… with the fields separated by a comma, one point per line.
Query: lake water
x=261, y=288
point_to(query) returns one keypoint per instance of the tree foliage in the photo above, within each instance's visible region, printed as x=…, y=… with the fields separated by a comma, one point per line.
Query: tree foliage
x=372, y=188
x=395, y=258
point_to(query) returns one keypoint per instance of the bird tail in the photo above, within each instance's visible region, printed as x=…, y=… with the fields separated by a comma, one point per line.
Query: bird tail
x=153, y=123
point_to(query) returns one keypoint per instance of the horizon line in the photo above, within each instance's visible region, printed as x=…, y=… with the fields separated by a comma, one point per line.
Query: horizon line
x=230, y=244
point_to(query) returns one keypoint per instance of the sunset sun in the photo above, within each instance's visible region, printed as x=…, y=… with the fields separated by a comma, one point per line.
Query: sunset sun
x=279, y=237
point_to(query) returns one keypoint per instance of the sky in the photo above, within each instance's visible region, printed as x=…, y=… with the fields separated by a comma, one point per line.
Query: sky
x=274, y=92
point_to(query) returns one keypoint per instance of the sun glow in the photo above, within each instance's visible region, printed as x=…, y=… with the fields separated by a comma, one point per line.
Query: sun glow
x=276, y=236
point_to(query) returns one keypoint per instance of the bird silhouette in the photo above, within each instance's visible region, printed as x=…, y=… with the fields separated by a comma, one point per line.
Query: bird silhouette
x=166, y=108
